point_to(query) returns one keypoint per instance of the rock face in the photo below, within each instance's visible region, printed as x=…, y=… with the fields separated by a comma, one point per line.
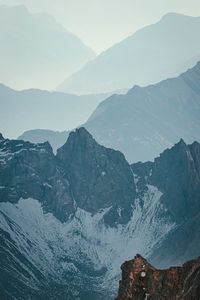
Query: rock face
x=141, y=281
x=176, y=174
x=31, y=171
x=100, y=177
x=83, y=174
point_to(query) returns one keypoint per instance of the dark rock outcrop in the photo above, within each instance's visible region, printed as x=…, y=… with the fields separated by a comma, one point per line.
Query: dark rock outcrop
x=141, y=281
x=83, y=174
x=31, y=171
x=100, y=177
x=176, y=174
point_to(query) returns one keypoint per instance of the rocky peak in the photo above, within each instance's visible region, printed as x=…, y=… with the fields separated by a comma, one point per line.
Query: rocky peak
x=176, y=174
x=30, y=170
x=80, y=139
x=100, y=177
x=141, y=281
x=1, y=137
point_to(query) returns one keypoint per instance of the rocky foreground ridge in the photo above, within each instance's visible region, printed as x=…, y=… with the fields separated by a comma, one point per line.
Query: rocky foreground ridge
x=142, y=281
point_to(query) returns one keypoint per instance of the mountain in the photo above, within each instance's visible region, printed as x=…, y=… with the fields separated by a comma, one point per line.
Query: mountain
x=28, y=109
x=146, y=120
x=140, y=281
x=68, y=221
x=99, y=177
x=44, y=52
x=154, y=53
x=55, y=138
x=176, y=175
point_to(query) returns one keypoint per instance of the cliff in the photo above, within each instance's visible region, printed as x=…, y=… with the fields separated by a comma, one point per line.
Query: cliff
x=141, y=281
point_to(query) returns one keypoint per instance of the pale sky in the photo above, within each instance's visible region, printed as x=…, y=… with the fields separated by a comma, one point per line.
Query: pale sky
x=102, y=23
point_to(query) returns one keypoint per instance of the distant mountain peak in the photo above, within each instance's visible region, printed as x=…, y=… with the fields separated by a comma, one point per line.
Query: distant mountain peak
x=78, y=138
x=148, y=56
x=66, y=52
x=80, y=132
x=174, y=16
x=180, y=143
x=1, y=137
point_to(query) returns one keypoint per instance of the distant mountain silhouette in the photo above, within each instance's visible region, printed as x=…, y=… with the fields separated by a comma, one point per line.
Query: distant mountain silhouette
x=145, y=121
x=36, y=51
x=156, y=52
x=30, y=109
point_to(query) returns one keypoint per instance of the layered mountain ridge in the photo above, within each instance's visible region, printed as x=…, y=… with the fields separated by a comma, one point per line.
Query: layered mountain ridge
x=41, y=45
x=148, y=56
x=52, y=110
x=147, y=120
x=69, y=221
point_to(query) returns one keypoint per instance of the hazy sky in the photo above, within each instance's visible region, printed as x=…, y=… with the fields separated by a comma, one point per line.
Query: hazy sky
x=102, y=23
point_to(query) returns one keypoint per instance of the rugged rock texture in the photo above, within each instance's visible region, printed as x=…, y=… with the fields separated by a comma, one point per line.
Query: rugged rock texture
x=141, y=281
x=176, y=174
x=31, y=171
x=100, y=177
x=83, y=174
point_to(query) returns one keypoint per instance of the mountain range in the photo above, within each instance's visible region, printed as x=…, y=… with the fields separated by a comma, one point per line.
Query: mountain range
x=35, y=108
x=36, y=51
x=69, y=220
x=154, y=53
x=146, y=120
